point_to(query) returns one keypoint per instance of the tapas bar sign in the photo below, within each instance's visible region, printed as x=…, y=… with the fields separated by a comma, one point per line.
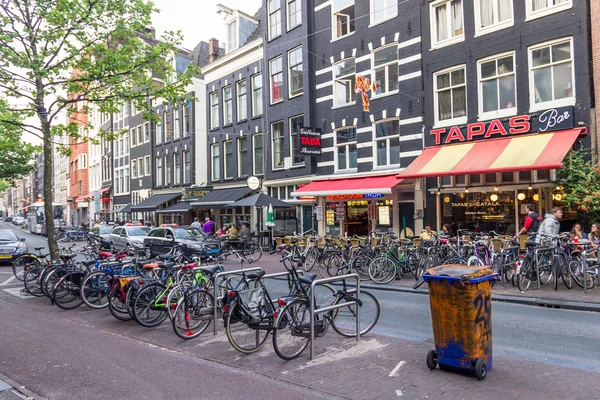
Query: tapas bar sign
x=555, y=119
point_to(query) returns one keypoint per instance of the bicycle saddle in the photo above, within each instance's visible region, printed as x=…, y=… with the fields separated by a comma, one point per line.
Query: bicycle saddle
x=88, y=263
x=530, y=244
x=256, y=275
x=38, y=248
x=150, y=266
x=164, y=256
x=210, y=270
x=188, y=266
x=308, y=278
x=67, y=257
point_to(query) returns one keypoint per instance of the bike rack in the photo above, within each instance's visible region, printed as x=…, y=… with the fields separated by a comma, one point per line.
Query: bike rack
x=550, y=250
x=216, y=286
x=314, y=312
x=586, y=257
x=514, y=258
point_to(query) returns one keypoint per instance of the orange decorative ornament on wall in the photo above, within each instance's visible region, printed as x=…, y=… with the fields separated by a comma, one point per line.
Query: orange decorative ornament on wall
x=362, y=86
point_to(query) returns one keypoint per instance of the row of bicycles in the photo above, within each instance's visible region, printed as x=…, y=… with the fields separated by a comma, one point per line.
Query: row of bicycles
x=382, y=257
x=188, y=293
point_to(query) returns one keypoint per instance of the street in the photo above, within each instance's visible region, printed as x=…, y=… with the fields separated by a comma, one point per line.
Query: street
x=539, y=353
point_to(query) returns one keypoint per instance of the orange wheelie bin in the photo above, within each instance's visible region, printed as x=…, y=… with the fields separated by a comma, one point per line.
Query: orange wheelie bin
x=461, y=314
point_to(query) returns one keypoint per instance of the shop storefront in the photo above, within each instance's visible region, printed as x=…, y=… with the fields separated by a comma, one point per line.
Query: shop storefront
x=213, y=205
x=299, y=216
x=156, y=203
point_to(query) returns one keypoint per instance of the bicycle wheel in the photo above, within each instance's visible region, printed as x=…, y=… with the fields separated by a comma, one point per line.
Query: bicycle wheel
x=382, y=270
x=32, y=281
x=292, y=330
x=18, y=267
x=524, y=276
x=149, y=305
x=49, y=278
x=66, y=292
x=173, y=298
x=193, y=314
x=335, y=262
x=95, y=288
x=360, y=265
x=252, y=251
x=117, y=303
x=344, y=320
x=547, y=272
x=562, y=269
x=242, y=337
x=311, y=259
x=474, y=261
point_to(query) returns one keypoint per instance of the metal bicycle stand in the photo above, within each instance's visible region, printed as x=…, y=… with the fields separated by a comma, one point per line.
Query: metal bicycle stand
x=586, y=267
x=550, y=250
x=313, y=312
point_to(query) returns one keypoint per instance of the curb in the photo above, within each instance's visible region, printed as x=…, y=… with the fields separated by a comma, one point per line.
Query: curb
x=528, y=301
x=26, y=393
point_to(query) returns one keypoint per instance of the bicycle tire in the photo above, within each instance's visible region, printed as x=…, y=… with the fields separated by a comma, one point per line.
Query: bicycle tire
x=474, y=261
x=31, y=280
x=49, y=278
x=310, y=259
x=145, y=309
x=175, y=294
x=289, y=340
x=360, y=265
x=564, y=273
x=118, y=307
x=95, y=288
x=382, y=270
x=18, y=267
x=200, y=307
x=335, y=262
x=344, y=321
x=66, y=291
x=523, y=282
x=252, y=251
x=241, y=337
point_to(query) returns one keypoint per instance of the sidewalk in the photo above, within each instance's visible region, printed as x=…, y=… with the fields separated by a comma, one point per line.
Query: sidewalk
x=10, y=390
x=573, y=298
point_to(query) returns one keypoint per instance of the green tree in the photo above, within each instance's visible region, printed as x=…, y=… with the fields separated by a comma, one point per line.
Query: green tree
x=16, y=156
x=57, y=57
x=581, y=181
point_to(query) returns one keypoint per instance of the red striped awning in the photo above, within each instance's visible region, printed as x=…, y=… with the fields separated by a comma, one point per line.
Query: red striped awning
x=521, y=153
x=366, y=185
x=81, y=199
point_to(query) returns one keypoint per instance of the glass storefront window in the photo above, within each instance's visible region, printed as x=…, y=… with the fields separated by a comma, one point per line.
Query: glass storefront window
x=357, y=222
x=490, y=178
x=508, y=177
x=461, y=180
x=524, y=176
x=332, y=225
x=474, y=179
x=480, y=211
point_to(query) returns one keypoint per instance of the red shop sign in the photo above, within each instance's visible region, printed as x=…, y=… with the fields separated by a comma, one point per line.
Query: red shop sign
x=516, y=125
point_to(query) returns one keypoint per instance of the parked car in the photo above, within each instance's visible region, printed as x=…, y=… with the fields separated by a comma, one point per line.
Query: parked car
x=18, y=221
x=11, y=246
x=101, y=234
x=128, y=237
x=8, y=219
x=192, y=241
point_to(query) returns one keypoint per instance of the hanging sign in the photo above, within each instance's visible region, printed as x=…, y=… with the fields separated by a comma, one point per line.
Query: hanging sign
x=384, y=215
x=340, y=213
x=319, y=213
x=362, y=86
x=372, y=212
x=310, y=141
x=494, y=128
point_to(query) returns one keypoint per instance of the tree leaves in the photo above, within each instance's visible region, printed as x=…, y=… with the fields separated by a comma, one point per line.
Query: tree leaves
x=581, y=181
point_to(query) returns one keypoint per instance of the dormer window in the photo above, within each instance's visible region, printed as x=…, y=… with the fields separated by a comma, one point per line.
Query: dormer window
x=232, y=36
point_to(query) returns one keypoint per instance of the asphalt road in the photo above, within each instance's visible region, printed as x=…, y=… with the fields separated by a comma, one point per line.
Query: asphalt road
x=83, y=358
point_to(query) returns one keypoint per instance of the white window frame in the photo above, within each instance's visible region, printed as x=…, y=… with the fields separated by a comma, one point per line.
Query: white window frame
x=239, y=156
x=176, y=130
x=343, y=78
x=158, y=134
x=225, y=101
x=186, y=119
x=133, y=137
x=176, y=169
x=254, y=91
x=568, y=101
x=140, y=162
x=186, y=157
x=168, y=170
x=230, y=143
x=387, y=139
x=387, y=9
x=334, y=11
x=347, y=145
x=496, y=25
x=452, y=40
x=82, y=161
x=289, y=68
x=293, y=141
x=552, y=9
x=214, y=109
x=452, y=121
x=159, y=171
x=147, y=166
x=146, y=132
x=282, y=138
x=503, y=112
x=140, y=134
x=387, y=66
x=275, y=12
x=289, y=26
x=271, y=75
x=255, y=160
x=215, y=175
x=238, y=96
x=232, y=42
x=134, y=169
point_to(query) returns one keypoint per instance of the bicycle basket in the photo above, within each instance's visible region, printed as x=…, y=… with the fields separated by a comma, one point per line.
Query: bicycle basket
x=255, y=304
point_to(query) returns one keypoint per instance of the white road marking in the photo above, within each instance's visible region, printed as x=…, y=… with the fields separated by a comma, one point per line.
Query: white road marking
x=6, y=282
x=395, y=370
x=19, y=292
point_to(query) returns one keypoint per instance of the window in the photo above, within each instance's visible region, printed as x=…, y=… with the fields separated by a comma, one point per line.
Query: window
x=242, y=146
x=158, y=133
x=274, y=18
x=228, y=151
x=187, y=170
x=176, y=124
x=168, y=131
x=140, y=134
x=257, y=95
x=147, y=132
x=140, y=163
x=82, y=161
x=277, y=135
x=541, y=8
x=242, y=104
x=387, y=143
x=214, y=110
x=450, y=96
x=446, y=22
x=232, y=43
x=345, y=142
x=295, y=124
x=216, y=161
x=227, y=106
x=177, y=163
x=259, y=154
x=168, y=173
x=134, y=171
x=276, y=79
x=491, y=15
x=345, y=79
x=133, y=138
x=497, y=95
x=186, y=120
x=294, y=13
x=385, y=71
x=295, y=71
x=551, y=75
x=382, y=10
x=147, y=163
x=343, y=18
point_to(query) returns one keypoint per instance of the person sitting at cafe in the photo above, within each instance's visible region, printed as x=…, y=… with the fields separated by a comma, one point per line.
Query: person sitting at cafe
x=426, y=234
x=245, y=232
x=222, y=231
x=232, y=232
x=577, y=232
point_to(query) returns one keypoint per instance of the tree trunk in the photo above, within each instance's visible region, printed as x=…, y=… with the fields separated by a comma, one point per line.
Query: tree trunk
x=48, y=189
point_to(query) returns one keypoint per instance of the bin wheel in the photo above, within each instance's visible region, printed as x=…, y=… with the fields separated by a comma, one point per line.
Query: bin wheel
x=480, y=369
x=431, y=359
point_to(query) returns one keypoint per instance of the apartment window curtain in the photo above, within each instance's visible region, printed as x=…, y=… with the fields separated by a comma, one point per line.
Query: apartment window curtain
x=457, y=18
x=487, y=12
x=441, y=22
x=539, y=4
x=504, y=10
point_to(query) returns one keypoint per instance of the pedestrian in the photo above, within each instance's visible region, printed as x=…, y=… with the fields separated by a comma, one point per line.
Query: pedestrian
x=208, y=226
x=245, y=232
x=532, y=221
x=577, y=232
x=550, y=226
x=141, y=222
x=196, y=224
x=594, y=235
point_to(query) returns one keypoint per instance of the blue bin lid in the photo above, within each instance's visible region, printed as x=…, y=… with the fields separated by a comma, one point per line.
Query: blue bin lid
x=459, y=272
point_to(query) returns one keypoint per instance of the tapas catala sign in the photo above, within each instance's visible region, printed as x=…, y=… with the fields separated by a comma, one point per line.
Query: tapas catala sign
x=310, y=141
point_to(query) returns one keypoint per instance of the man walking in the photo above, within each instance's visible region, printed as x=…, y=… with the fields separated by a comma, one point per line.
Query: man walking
x=550, y=225
x=208, y=226
x=196, y=224
x=532, y=221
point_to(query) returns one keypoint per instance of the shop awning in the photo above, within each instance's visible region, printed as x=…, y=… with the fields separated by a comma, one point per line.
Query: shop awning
x=367, y=185
x=126, y=209
x=81, y=199
x=154, y=202
x=220, y=197
x=103, y=190
x=521, y=153
x=179, y=208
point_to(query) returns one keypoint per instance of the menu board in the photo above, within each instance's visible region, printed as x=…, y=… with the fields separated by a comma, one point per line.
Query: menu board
x=330, y=220
x=384, y=215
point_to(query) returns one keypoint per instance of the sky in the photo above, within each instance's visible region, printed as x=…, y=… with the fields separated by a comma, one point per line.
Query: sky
x=197, y=19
